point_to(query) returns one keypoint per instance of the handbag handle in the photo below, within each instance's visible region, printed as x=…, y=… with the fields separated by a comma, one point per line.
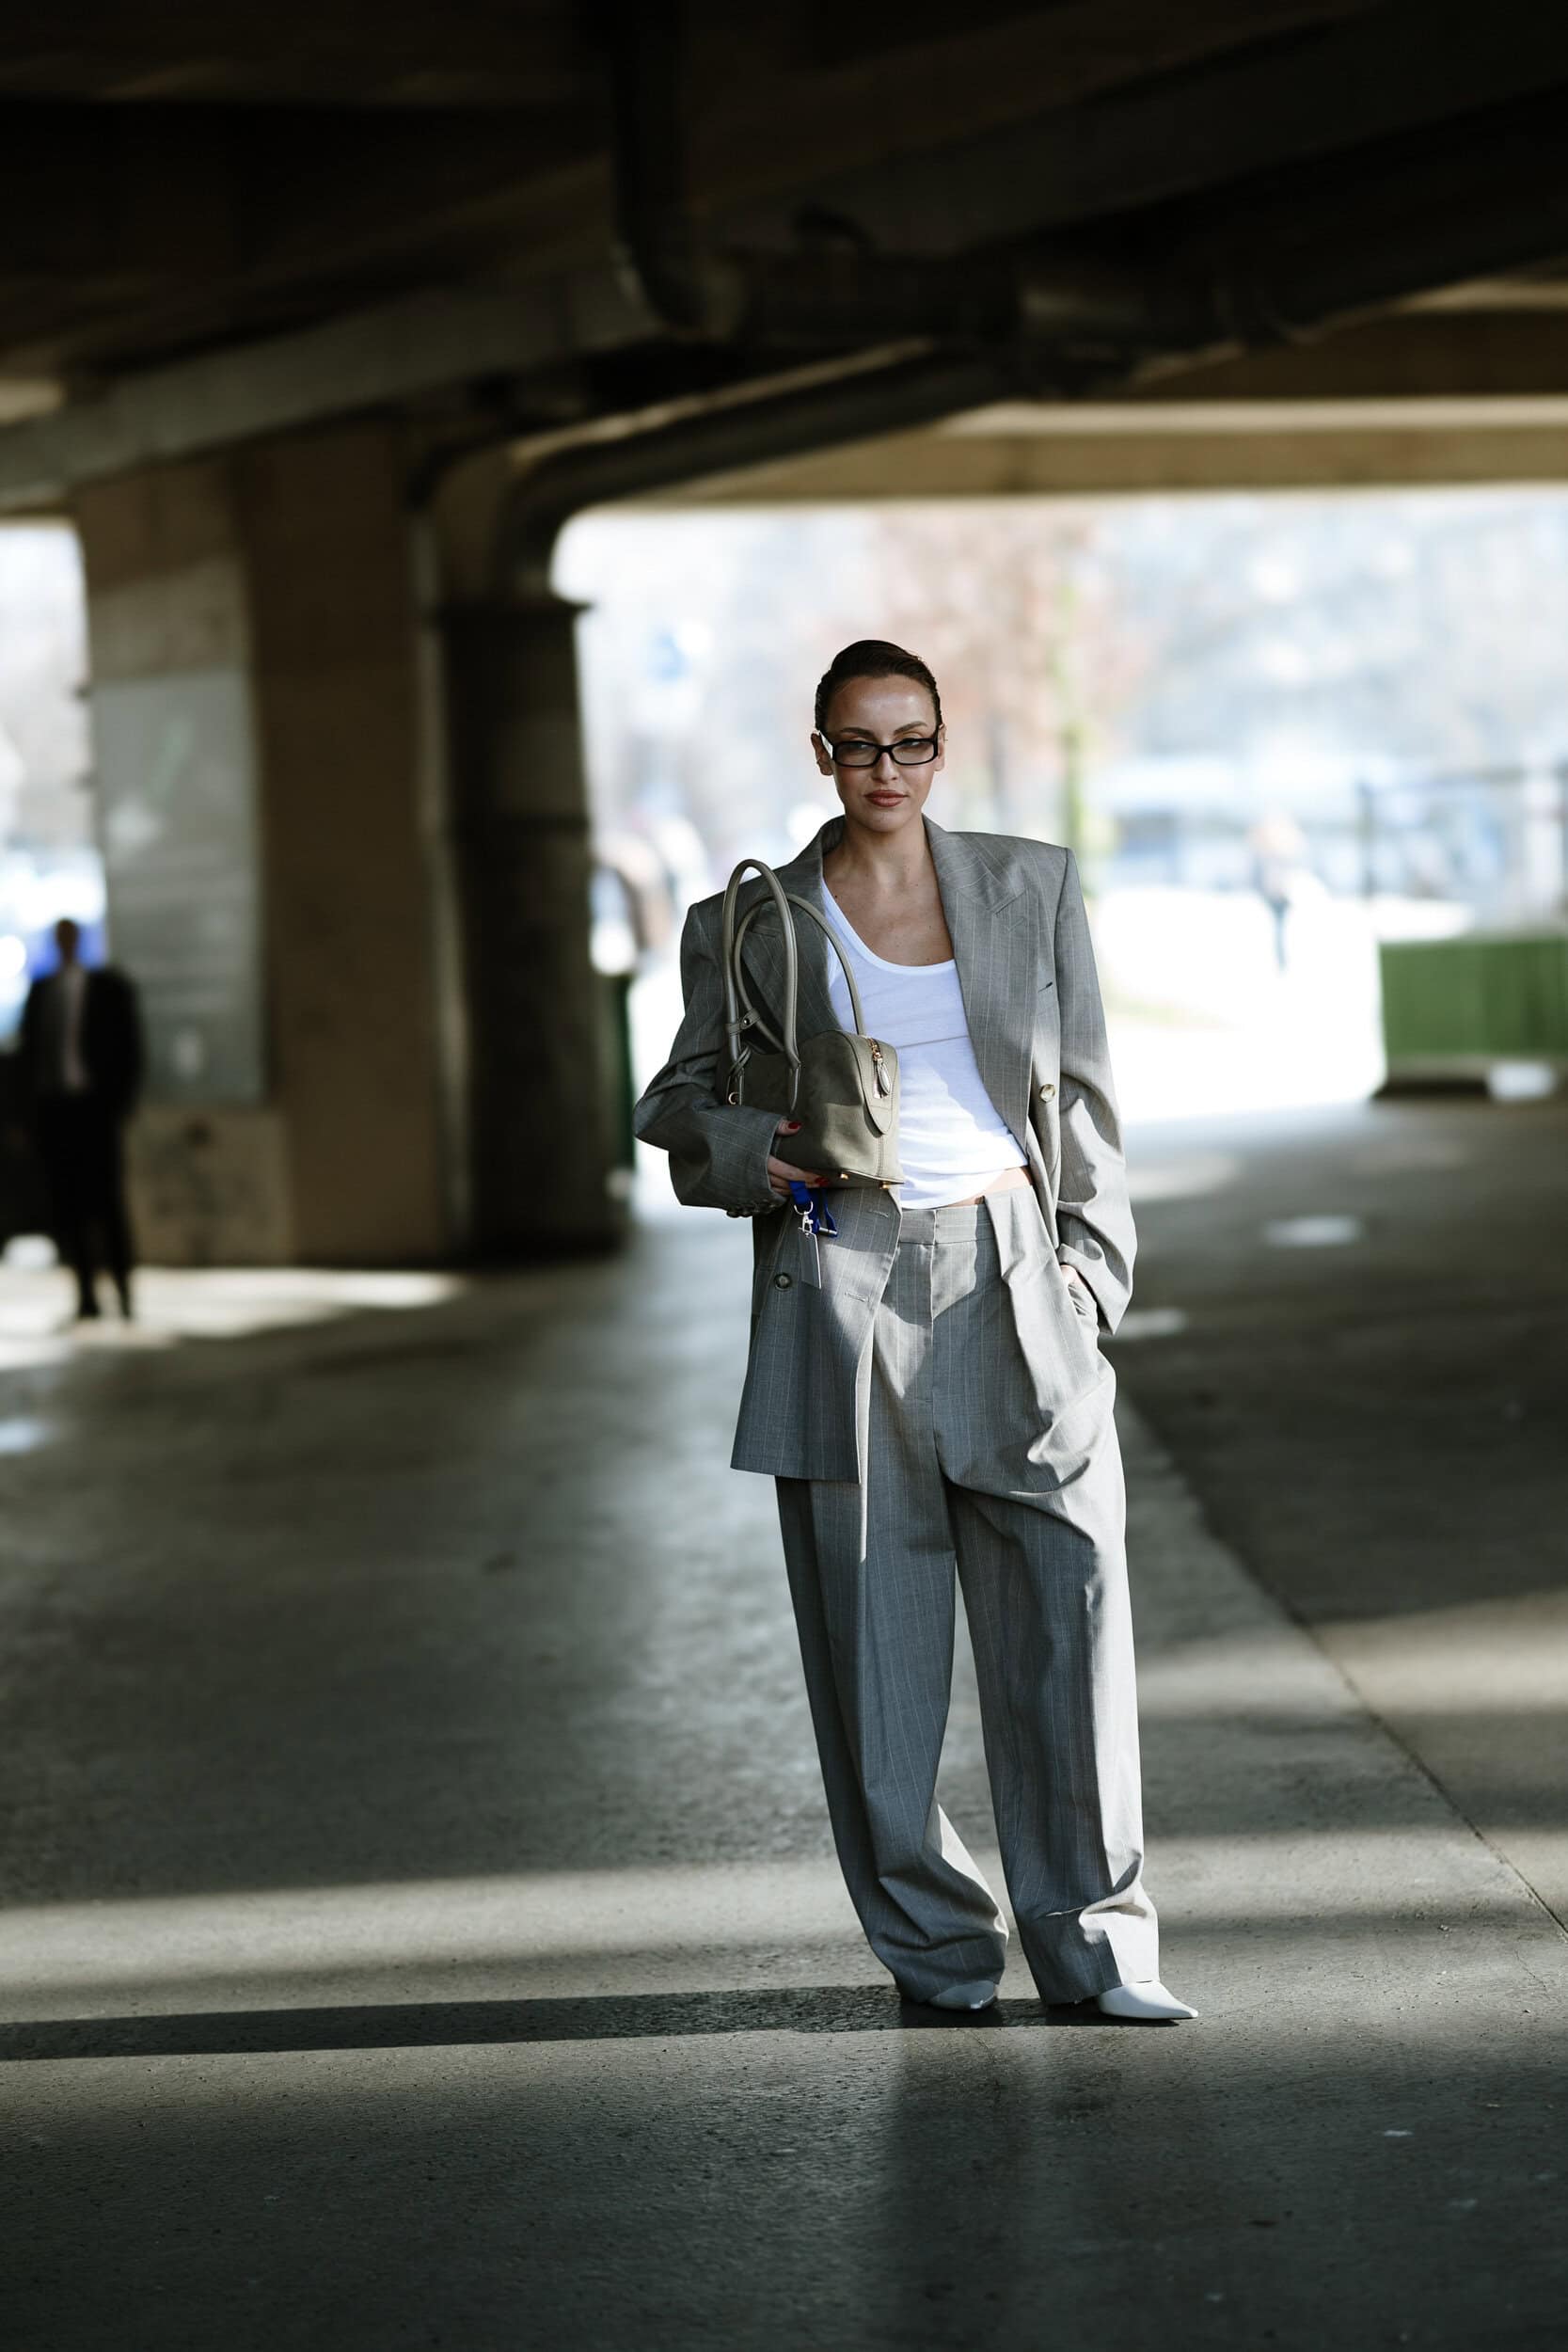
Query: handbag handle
x=734, y=1019
x=829, y=934
x=739, y=1011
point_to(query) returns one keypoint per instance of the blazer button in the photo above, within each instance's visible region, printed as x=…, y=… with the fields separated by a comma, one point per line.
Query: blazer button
x=782, y=1281
x=1047, y=1091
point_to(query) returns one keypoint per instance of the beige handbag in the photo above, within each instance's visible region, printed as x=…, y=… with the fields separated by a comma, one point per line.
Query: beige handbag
x=843, y=1086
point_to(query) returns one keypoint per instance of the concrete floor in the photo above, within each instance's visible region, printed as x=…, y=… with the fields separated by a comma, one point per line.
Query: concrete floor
x=421, y=1926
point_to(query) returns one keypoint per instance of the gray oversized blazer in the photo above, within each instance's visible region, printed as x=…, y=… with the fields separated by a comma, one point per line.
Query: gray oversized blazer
x=1026, y=971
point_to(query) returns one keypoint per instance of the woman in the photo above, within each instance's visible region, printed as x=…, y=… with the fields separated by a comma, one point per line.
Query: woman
x=926, y=1386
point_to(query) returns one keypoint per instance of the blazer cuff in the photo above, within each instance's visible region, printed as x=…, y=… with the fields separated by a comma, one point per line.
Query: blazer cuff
x=750, y=1147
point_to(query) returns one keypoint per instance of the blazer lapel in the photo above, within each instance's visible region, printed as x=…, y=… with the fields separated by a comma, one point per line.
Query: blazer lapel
x=995, y=924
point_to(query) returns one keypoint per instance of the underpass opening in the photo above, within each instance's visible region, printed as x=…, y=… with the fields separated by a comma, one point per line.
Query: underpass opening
x=1288, y=737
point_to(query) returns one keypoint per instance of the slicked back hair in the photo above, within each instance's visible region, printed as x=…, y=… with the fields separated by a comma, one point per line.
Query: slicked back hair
x=871, y=657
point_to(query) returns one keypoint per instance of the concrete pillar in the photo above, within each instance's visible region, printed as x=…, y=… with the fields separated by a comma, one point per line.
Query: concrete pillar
x=542, y=1150
x=263, y=743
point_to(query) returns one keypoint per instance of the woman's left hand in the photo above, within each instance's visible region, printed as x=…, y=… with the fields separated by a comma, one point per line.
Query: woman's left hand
x=1085, y=1297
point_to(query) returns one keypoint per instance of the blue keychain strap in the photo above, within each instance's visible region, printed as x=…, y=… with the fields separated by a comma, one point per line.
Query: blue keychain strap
x=815, y=1216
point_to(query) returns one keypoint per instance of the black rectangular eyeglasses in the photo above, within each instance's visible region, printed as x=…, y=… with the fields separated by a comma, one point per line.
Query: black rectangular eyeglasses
x=910, y=751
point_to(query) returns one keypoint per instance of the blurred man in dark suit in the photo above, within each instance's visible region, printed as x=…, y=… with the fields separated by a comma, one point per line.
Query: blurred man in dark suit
x=80, y=1044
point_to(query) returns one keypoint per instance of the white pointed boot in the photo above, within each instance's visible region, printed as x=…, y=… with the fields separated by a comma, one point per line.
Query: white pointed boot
x=1146, y=2003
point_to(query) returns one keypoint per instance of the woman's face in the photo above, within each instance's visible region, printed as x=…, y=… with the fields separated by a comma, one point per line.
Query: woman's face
x=885, y=798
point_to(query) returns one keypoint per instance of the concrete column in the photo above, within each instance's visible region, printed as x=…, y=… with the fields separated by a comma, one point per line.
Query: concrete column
x=541, y=1153
x=351, y=978
x=263, y=744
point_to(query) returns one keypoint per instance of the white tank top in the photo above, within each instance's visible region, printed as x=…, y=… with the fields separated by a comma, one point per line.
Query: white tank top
x=952, y=1140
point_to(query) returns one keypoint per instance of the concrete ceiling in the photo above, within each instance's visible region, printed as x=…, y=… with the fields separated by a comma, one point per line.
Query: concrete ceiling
x=221, y=221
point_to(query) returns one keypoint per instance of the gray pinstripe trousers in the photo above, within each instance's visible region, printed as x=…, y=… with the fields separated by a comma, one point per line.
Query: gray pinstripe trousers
x=987, y=1444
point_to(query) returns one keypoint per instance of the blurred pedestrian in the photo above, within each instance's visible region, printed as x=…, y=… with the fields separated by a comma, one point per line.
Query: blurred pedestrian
x=82, y=1052
x=1279, y=868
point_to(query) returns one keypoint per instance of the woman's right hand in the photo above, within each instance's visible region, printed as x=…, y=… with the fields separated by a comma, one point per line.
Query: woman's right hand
x=781, y=1174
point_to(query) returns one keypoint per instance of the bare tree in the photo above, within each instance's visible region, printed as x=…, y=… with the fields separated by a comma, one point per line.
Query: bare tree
x=1016, y=607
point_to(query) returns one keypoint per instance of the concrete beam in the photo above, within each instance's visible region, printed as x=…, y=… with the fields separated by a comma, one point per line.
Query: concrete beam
x=870, y=72
x=260, y=53
x=1418, y=354
x=1420, y=396
x=1069, y=453
x=1269, y=105
x=139, y=230
x=369, y=359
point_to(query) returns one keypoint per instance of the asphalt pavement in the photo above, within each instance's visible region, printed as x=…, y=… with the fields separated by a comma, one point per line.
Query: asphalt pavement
x=421, y=1926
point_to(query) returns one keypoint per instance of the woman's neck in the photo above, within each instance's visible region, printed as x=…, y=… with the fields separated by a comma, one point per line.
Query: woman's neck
x=894, y=862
